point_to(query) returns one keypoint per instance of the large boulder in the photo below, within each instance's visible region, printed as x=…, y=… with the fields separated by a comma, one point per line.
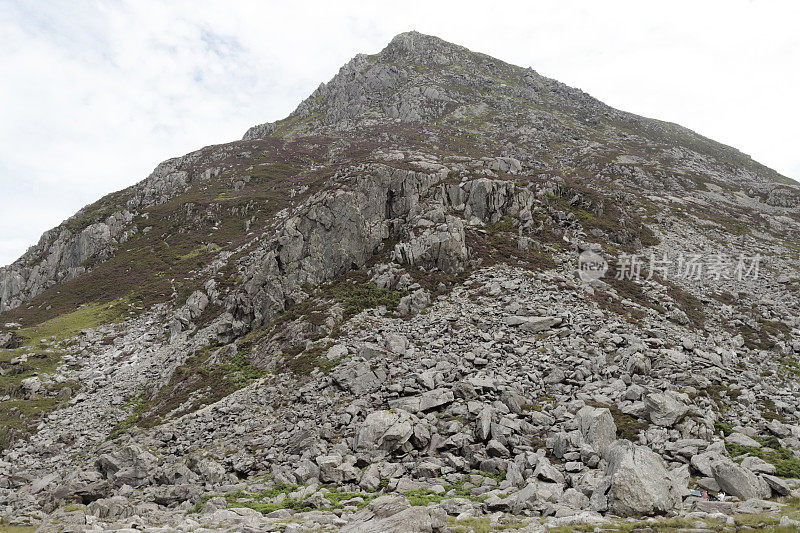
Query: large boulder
x=597, y=427
x=393, y=514
x=423, y=402
x=359, y=377
x=702, y=462
x=131, y=465
x=738, y=481
x=636, y=482
x=384, y=431
x=665, y=408
x=83, y=486
x=440, y=246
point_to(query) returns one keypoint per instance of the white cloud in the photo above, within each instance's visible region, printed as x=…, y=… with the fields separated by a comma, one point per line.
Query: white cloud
x=95, y=94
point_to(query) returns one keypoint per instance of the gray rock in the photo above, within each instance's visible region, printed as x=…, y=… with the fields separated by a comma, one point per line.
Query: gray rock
x=737, y=481
x=384, y=430
x=778, y=485
x=665, y=408
x=393, y=514
x=359, y=377
x=757, y=465
x=423, y=402
x=597, y=427
x=636, y=482
x=742, y=440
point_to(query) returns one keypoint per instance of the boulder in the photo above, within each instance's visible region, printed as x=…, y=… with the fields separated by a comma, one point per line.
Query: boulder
x=597, y=427
x=636, y=482
x=359, y=377
x=393, y=514
x=702, y=462
x=665, y=408
x=743, y=440
x=384, y=430
x=196, y=304
x=738, y=481
x=778, y=486
x=758, y=465
x=83, y=486
x=131, y=465
x=423, y=402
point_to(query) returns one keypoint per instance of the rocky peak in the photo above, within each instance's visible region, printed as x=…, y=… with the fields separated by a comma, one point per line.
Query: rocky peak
x=421, y=78
x=414, y=46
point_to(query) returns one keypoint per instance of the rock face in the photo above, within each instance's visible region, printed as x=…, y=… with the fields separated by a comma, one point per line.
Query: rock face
x=59, y=256
x=636, y=482
x=373, y=311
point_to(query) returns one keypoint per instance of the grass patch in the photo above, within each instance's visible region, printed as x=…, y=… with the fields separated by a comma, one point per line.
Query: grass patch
x=303, y=362
x=262, y=503
x=358, y=295
x=17, y=529
x=601, y=214
x=723, y=427
x=786, y=464
x=688, y=303
x=499, y=244
x=481, y=525
x=422, y=497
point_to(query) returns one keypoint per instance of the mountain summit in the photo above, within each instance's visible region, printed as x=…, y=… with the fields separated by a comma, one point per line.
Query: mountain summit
x=444, y=286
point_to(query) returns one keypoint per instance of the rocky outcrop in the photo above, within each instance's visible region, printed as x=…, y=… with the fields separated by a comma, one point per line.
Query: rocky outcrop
x=59, y=257
x=330, y=237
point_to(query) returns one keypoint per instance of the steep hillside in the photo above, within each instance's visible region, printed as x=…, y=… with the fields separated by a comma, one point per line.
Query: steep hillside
x=371, y=315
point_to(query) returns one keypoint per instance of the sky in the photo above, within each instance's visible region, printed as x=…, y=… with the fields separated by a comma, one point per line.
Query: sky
x=94, y=94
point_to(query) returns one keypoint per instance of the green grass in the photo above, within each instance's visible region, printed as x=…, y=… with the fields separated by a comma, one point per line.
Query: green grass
x=200, y=250
x=17, y=529
x=261, y=501
x=422, y=497
x=481, y=525
x=69, y=324
x=306, y=361
x=724, y=427
x=358, y=295
x=786, y=464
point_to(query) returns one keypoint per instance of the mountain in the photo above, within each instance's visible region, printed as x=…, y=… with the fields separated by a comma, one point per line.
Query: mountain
x=389, y=308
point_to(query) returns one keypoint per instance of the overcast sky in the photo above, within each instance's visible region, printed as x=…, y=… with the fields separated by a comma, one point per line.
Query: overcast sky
x=94, y=94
